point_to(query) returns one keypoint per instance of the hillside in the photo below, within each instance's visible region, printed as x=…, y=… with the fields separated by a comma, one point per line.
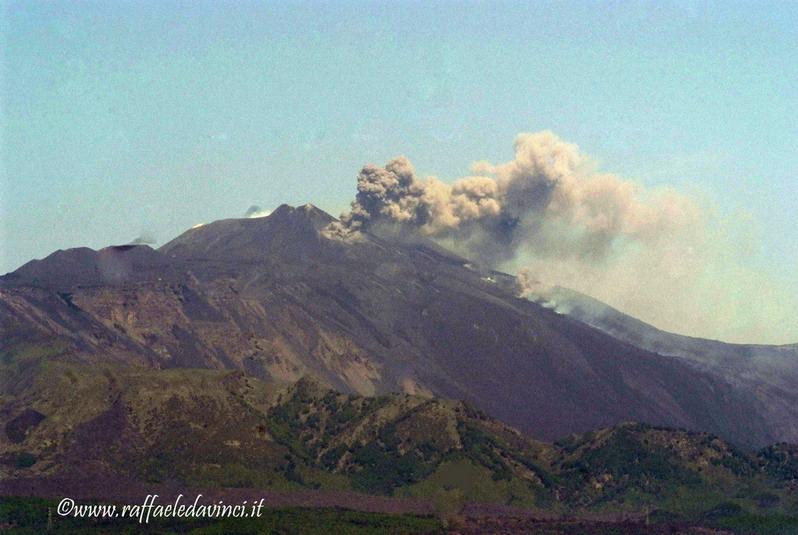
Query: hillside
x=771, y=371
x=279, y=298
x=123, y=428
x=767, y=363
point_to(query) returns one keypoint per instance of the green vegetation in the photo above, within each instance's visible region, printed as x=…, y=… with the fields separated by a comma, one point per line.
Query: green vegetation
x=390, y=443
x=780, y=461
x=25, y=460
x=748, y=523
x=472, y=483
x=33, y=516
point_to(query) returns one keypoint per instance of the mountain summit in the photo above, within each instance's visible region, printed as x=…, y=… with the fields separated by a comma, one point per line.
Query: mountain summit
x=286, y=230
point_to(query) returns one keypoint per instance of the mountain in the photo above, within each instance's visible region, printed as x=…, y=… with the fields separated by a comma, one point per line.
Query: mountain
x=86, y=267
x=121, y=428
x=771, y=371
x=773, y=363
x=281, y=298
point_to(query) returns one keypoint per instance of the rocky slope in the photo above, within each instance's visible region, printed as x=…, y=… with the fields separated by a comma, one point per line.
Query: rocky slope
x=280, y=298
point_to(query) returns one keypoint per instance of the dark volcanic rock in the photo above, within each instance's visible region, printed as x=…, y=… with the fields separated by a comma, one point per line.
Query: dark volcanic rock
x=18, y=428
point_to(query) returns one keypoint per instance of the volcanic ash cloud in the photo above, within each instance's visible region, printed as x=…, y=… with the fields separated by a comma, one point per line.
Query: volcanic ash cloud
x=655, y=253
x=548, y=200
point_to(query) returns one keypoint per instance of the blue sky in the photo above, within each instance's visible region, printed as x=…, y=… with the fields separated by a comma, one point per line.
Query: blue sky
x=123, y=118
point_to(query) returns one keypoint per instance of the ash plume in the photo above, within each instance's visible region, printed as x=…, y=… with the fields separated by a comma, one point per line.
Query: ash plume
x=552, y=216
x=548, y=199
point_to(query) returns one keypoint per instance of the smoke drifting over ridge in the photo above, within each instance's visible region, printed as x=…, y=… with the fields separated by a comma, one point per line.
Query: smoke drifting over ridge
x=549, y=215
x=255, y=211
x=144, y=239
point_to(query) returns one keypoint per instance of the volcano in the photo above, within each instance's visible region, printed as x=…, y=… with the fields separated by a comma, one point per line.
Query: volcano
x=280, y=298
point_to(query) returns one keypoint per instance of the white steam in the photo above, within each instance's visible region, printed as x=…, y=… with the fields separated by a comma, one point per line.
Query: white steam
x=144, y=239
x=255, y=211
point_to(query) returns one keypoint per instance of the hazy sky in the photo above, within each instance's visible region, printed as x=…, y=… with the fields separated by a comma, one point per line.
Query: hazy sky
x=125, y=118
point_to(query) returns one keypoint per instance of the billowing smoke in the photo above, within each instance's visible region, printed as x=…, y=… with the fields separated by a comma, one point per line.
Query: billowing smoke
x=655, y=253
x=256, y=211
x=548, y=201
